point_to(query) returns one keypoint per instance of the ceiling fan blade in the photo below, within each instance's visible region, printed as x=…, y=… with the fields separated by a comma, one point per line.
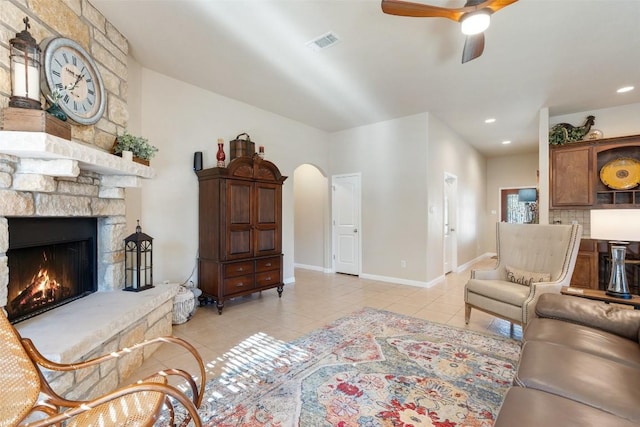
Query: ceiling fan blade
x=419, y=10
x=496, y=5
x=473, y=47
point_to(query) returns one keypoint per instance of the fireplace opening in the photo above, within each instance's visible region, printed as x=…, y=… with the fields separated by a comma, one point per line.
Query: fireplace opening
x=52, y=261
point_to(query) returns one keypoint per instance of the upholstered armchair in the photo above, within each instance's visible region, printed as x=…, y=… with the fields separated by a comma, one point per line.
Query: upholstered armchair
x=26, y=399
x=532, y=259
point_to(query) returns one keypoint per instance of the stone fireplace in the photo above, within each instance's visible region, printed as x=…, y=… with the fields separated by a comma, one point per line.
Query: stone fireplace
x=45, y=183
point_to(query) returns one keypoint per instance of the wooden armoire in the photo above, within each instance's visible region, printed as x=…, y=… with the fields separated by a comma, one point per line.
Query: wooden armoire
x=240, y=229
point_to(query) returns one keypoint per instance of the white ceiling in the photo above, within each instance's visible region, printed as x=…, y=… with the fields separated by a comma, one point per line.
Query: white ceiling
x=568, y=55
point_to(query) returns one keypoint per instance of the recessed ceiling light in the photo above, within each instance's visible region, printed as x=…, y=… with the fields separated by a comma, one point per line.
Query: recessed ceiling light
x=506, y=142
x=625, y=89
x=491, y=120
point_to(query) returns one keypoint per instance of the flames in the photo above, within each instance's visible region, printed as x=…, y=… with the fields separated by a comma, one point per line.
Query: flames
x=41, y=291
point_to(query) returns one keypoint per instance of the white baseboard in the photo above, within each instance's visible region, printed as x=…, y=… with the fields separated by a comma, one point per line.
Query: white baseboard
x=397, y=280
x=388, y=279
x=467, y=265
x=313, y=267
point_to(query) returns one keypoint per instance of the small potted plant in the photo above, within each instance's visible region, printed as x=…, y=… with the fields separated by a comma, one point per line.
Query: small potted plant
x=140, y=148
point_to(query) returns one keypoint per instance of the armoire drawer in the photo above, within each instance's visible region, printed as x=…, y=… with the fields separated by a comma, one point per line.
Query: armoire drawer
x=238, y=269
x=238, y=284
x=267, y=264
x=267, y=278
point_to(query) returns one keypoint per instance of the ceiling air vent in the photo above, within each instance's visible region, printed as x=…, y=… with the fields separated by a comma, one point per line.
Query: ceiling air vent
x=323, y=42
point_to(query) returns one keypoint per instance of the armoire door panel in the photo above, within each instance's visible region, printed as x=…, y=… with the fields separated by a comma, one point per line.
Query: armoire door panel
x=267, y=204
x=239, y=202
x=239, y=243
x=267, y=241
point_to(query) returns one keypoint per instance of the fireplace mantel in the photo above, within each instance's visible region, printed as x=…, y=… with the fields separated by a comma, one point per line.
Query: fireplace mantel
x=42, y=146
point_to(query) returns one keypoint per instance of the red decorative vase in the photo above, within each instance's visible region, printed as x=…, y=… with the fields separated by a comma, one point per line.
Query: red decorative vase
x=220, y=155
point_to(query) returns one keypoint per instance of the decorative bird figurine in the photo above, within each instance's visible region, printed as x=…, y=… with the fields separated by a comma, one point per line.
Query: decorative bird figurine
x=564, y=132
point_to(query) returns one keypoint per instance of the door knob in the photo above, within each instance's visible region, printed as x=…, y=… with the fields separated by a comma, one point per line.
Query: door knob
x=355, y=230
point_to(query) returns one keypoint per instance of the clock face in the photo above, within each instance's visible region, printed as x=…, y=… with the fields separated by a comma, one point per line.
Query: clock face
x=71, y=76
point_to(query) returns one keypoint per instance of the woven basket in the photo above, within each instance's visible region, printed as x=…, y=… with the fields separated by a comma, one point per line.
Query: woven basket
x=184, y=304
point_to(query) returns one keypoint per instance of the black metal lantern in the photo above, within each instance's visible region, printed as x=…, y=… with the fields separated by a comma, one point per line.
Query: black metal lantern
x=138, y=261
x=24, y=54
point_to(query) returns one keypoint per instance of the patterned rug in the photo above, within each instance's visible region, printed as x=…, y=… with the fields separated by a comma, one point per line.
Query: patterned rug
x=371, y=368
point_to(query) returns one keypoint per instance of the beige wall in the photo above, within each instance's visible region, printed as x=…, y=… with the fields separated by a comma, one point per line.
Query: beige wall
x=311, y=218
x=392, y=159
x=402, y=163
x=448, y=152
x=506, y=172
x=181, y=119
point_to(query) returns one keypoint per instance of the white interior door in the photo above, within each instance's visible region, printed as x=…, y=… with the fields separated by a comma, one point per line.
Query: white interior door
x=346, y=223
x=450, y=239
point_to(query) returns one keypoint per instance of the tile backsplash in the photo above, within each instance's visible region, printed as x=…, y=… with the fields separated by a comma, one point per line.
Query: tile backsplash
x=567, y=216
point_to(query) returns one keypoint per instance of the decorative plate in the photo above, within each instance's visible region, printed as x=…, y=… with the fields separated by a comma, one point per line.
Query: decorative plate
x=621, y=174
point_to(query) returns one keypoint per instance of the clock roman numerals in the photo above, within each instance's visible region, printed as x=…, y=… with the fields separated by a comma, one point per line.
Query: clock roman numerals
x=70, y=72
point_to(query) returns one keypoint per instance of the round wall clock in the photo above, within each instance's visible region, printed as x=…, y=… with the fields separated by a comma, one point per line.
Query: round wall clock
x=70, y=76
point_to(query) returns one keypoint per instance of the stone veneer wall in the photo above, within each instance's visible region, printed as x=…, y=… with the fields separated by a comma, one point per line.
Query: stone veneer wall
x=24, y=191
x=38, y=194
x=79, y=21
x=87, y=195
x=96, y=381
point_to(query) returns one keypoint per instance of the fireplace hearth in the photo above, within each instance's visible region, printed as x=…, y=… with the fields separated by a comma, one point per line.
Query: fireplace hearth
x=52, y=261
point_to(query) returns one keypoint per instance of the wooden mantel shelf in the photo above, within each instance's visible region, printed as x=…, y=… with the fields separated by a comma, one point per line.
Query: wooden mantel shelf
x=40, y=145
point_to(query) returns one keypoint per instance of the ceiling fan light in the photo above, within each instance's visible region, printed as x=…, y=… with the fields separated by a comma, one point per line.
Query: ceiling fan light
x=475, y=22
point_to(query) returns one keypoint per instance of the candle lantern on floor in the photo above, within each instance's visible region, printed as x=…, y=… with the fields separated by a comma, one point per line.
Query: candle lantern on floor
x=138, y=261
x=24, y=54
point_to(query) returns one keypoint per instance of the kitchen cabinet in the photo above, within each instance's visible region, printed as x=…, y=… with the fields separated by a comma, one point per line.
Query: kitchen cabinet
x=575, y=174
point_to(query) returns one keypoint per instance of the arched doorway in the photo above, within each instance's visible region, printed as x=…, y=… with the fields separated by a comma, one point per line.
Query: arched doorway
x=311, y=218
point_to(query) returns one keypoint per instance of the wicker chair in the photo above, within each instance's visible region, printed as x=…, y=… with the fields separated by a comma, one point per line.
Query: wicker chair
x=26, y=395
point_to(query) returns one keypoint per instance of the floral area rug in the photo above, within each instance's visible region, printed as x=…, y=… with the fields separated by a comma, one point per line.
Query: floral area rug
x=371, y=368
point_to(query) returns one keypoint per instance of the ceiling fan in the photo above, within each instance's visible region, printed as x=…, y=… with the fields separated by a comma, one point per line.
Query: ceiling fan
x=474, y=18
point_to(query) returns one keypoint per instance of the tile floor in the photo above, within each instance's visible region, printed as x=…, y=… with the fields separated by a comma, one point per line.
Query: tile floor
x=314, y=300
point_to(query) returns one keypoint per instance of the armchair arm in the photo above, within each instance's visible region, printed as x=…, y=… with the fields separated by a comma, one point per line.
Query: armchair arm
x=606, y=317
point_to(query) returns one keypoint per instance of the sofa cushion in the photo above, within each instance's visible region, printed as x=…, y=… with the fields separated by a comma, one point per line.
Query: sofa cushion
x=608, y=317
x=592, y=380
x=524, y=277
x=525, y=407
x=502, y=290
x=583, y=338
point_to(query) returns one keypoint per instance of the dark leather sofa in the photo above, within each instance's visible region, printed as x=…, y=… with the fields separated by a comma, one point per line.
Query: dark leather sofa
x=579, y=366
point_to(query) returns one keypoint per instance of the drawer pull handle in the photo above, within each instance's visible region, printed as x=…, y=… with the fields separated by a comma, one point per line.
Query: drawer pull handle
x=268, y=264
x=240, y=269
x=267, y=278
x=239, y=285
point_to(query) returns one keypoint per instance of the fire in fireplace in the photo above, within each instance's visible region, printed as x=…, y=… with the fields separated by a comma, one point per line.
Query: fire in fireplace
x=52, y=261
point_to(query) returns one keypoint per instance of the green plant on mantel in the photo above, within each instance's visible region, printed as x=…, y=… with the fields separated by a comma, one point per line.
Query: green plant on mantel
x=138, y=145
